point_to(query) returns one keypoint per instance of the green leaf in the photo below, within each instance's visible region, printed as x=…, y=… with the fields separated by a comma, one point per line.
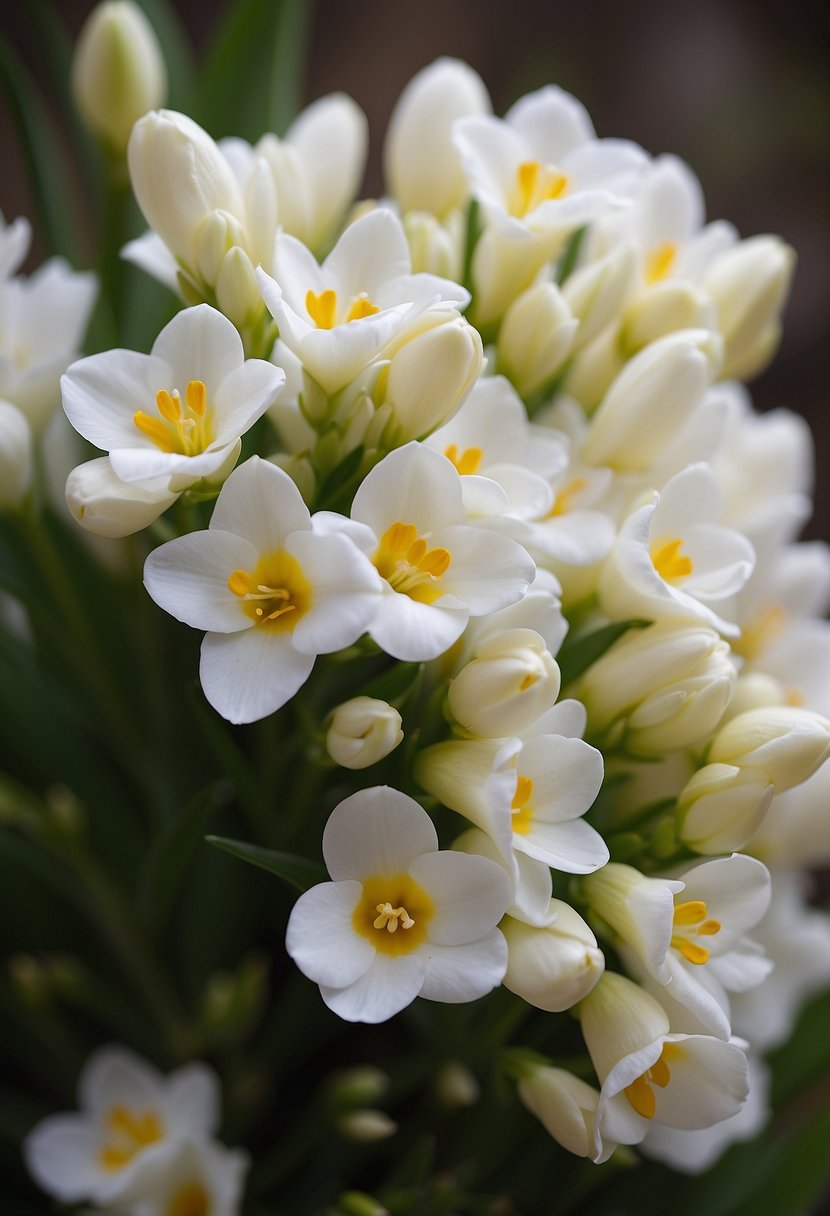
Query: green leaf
x=340, y=481
x=42, y=153
x=396, y=684
x=177, y=51
x=472, y=232
x=576, y=656
x=299, y=872
x=568, y=260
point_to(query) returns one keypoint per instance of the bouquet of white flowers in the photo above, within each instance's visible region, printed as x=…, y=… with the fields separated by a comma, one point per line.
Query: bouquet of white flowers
x=510, y=686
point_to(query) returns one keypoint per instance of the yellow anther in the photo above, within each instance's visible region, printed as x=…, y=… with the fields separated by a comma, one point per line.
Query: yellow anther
x=408, y=564
x=639, y=1093
x=182, y=427
x=196, y=397
x=562, y=503
x=274, y=589
x=528, y=681
x=660, y=261
x=468, y=462
x=692, y=912
x=168, y=405
x=191, y=1200
x=322, y=308
x=128, y=1132
x=361, y=306
x=521, y=808
x=669, y=562
x=692, y=919
x=535, y=184
x=389, y=917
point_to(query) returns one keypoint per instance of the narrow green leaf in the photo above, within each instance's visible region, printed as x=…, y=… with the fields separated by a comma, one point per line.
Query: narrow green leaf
x=395, y=684
x=177, y=51
x=576, y=656
x=570, y=255
x=298, y=872
x=471, y=234
x=288, y=63
x=236, y=765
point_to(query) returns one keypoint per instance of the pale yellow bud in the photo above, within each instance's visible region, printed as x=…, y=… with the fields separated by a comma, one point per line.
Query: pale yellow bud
x=721, y=807
x=237, y=292
x=435, y=365
x=785, y=743
x=639, y=909
x=118, y=72
x=363, y=731
x=535, y=337
x=457, y=1087
x=564, y=1105
x=749, y=284
x=15, y=456
x=595, y=294
x=212, y=239
x=435, y=246
x=664, y=309
x=103, y=504
x=511, y=681
x=618, y=1018
x=555, y=966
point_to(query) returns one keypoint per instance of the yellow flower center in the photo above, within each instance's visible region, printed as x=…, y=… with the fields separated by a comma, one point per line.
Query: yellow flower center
x=659, y=261
x=190, y=1200
x=535, y=184
x=563, y=503
x=640, y=1094
x=127, y=1132
x=393, y=912
x=522, y=810
x=467, y=462
x=184, y=427
x=276, y=593
x=761, y=631
x=408, y=564
x=691, y=919
x=669, y=562
x=322, y=308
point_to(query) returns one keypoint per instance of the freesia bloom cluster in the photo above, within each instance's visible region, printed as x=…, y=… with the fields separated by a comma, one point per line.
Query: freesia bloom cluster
x=465, y=477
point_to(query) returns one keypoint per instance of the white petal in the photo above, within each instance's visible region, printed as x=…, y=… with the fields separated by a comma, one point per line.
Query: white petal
x=297, y=273
x=102, y=393
x=413, y=485
x=260, y=502
x=388, y=986
x=371, y=251
x=708, y=1083
x=150, y=254
x=334, y=357
x=199, y=344
x=471, y=895
x=188, y=577
x=321, y=939
x=378, y=831
x=574, y=847
x=736, y=891
x=347, y=591
x=464, y=973
x=488, y=571
x=193, y=1101
x=567, y=775
x=60, y=1154
x=552, y=122
x=114, y=1075
x=246, y=676
x=415, y=632
x=243, y=396
x=145, y=462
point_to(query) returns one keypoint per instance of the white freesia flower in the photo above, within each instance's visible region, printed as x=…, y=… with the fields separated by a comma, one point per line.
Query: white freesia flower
x=15, y=455
x=552, y=966
x=42, y=323
x=408, y=517
x=400, y=919
x=271, y=593
x=204, y=1177
x=650, y=1075
x=363, y=731
x=336, y=317
x=536, y=337
x=749, y=284
x=175, y=416
x=672, y=561
x=640, y=911
x=131, y=1124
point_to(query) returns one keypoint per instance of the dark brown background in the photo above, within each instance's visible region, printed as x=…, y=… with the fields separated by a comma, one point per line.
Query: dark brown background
x=739, y=88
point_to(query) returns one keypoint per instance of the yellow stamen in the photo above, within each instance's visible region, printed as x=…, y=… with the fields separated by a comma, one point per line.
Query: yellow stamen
x=535, y=184
x=761, y=631
x=275, y=593
x=322, y=308
x=640, y=1094
x=186, y=429
x=562, y=503
x=388, y=903
x=190, y=1200
x=669, y=562
x=521, y=808
x=468, y=462
x=691, y=918
x=407, y=563
x=388, y=918
x=361, y=306
x=660, y=261
x=127, y=1132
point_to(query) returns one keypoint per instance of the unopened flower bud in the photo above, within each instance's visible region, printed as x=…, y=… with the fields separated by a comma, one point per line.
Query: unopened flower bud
x=180, y=178
x=15, y=455
x=640, y=910
x=422, y=167
x=356, y=1203
x=564, y=1105
x=366, y=1126
x=536, y=337
x=237, y=293
x=554, y=966
x=359, y=1085
x=785, y=743
x=363, y=731
x=435, y=247
x=118, y=72
x=595, y=293
x=659, y=689
x=749, y=284
x=104, y=504
x=664, y=309
x=512, y=680
x=651, y=399
x=212, y=239
x=457, y=1087
x=431, y=373
x=721, y=807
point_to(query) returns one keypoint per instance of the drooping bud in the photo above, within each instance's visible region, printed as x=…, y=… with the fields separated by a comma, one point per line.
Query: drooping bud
x=434, y=366
x=785, y=743
x=565, y=1106
x=721, y=807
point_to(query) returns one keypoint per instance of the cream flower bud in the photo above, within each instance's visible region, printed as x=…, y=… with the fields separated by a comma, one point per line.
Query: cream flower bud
x=422, y=167
x=212, y=239
x=104, y=504
x=555, y=966
x=512, y=680
x=536, y=337
x=596, y=293
x=435, y=365
x=363, y=731
x=651, y=399
x=619, y=1017
x=785, y=743
x=15, y=455
x=366, y=1126
x=564, y=1105
x=659, y=689
x=639, y=909
x=435, y=247
x=721, y=807
x=749, y=284
x=118, y=72
x=457, y=1086
x=664, y=309
x=237, y=292
x=180, y=178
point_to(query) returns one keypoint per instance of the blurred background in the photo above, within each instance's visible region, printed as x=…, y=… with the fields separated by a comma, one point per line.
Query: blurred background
x=738, y=88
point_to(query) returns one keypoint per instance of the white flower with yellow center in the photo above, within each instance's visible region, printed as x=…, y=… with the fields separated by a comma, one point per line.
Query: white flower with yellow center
x=203, y=1179
x=131, y=1124
x=336, y=317
x=400, y=919
x=408, y=517
x=650, y=1075
x=172, y=417
x=271, y=593
x=672, y=561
